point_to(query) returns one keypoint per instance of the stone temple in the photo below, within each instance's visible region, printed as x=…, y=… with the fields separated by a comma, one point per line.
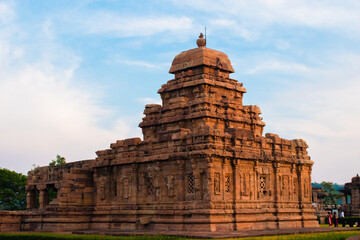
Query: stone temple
x=203, y=165
x=351, y=197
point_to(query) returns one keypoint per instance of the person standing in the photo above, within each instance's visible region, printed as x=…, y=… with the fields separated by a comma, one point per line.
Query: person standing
x=329, y=219
x=334, y=220
x=342, y=214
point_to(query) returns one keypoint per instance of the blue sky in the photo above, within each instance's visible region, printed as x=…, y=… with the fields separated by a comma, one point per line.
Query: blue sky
x=75, y=75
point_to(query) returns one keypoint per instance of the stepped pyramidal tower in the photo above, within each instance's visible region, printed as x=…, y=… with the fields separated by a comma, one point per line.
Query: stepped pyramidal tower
x=203, y=165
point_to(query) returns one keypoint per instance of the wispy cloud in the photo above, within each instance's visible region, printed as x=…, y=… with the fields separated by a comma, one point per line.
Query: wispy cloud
x=120, y=60
x=255, y=16
x=6, y=12
x=116, y=25
x=148, y=100
x=278, y=66
x=321, y=108
x=141, y=64
x=45, y=110
x=237, y=28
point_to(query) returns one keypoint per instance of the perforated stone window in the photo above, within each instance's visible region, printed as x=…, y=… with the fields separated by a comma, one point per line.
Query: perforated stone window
x=227, y=184
x=149, y=185
x=115, y=188
x=191, y=183
x=262, y=184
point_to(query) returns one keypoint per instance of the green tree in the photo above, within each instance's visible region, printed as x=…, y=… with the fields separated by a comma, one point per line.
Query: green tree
x=59, y=161
x=12, y=190
x=333, y=196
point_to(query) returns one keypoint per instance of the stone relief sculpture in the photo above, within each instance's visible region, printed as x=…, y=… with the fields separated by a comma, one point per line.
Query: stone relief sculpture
x=126, y=188
x=102, y=188
x=170, y=185
x=285, y=187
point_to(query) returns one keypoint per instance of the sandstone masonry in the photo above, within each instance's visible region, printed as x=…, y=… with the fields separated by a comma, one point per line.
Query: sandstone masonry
x=203, y=165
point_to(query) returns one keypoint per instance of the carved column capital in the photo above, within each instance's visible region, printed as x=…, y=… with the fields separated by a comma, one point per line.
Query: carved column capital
x=41, y=187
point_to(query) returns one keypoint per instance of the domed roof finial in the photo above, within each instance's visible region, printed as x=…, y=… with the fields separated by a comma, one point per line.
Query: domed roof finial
x=201, y=42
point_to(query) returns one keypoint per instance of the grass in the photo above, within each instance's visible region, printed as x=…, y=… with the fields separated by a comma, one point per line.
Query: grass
x=308, y=236
x=52, y=236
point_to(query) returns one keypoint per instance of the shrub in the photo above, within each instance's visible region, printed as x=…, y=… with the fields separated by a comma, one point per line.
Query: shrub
x=348, y=221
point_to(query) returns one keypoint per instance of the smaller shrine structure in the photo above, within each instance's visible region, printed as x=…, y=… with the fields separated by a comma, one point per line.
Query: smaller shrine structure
x=351, y=197
x=318, y=196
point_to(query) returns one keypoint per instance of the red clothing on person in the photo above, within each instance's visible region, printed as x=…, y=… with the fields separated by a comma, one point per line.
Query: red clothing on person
x=330, y=220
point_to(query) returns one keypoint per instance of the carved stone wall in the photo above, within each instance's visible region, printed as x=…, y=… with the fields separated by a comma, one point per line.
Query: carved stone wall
x=203, y=165
x=351, y=197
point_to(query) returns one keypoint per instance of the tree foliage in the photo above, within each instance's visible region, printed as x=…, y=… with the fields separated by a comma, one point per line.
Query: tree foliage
x=333, y=196
x=59, y=161
x=12, y=190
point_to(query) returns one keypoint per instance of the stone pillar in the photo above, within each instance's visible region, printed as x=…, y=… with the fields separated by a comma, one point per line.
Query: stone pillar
x=236, y=191
x=236, y=181
x=222, y=180
x=276, y=191
x=43, y=196
x=197, y=179
x=181, y=180
x=30, y=198
x=256, y=180
x=134, y=183
x=301, y=192
x=301, y=184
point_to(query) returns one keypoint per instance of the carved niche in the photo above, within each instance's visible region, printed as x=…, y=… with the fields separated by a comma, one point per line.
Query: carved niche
x=285, y=188
x=152, y=180
x=102, y=181
x=126, y=188
x=169, y=181
x=204, y=186
x=306, y=188
x=245, y=184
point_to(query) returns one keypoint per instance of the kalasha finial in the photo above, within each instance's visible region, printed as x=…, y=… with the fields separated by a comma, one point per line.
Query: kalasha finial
x=201, y=42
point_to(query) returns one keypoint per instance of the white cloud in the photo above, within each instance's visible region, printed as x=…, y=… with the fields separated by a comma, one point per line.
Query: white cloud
x=6, y=12
x=237, y=28
x=254, y=16
x=279, y=66
x=42, y=115
x=322, y=108
x=119, y=60
x=44, y=109
x=117, y=25
x=148, y=100
x=141, y=64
